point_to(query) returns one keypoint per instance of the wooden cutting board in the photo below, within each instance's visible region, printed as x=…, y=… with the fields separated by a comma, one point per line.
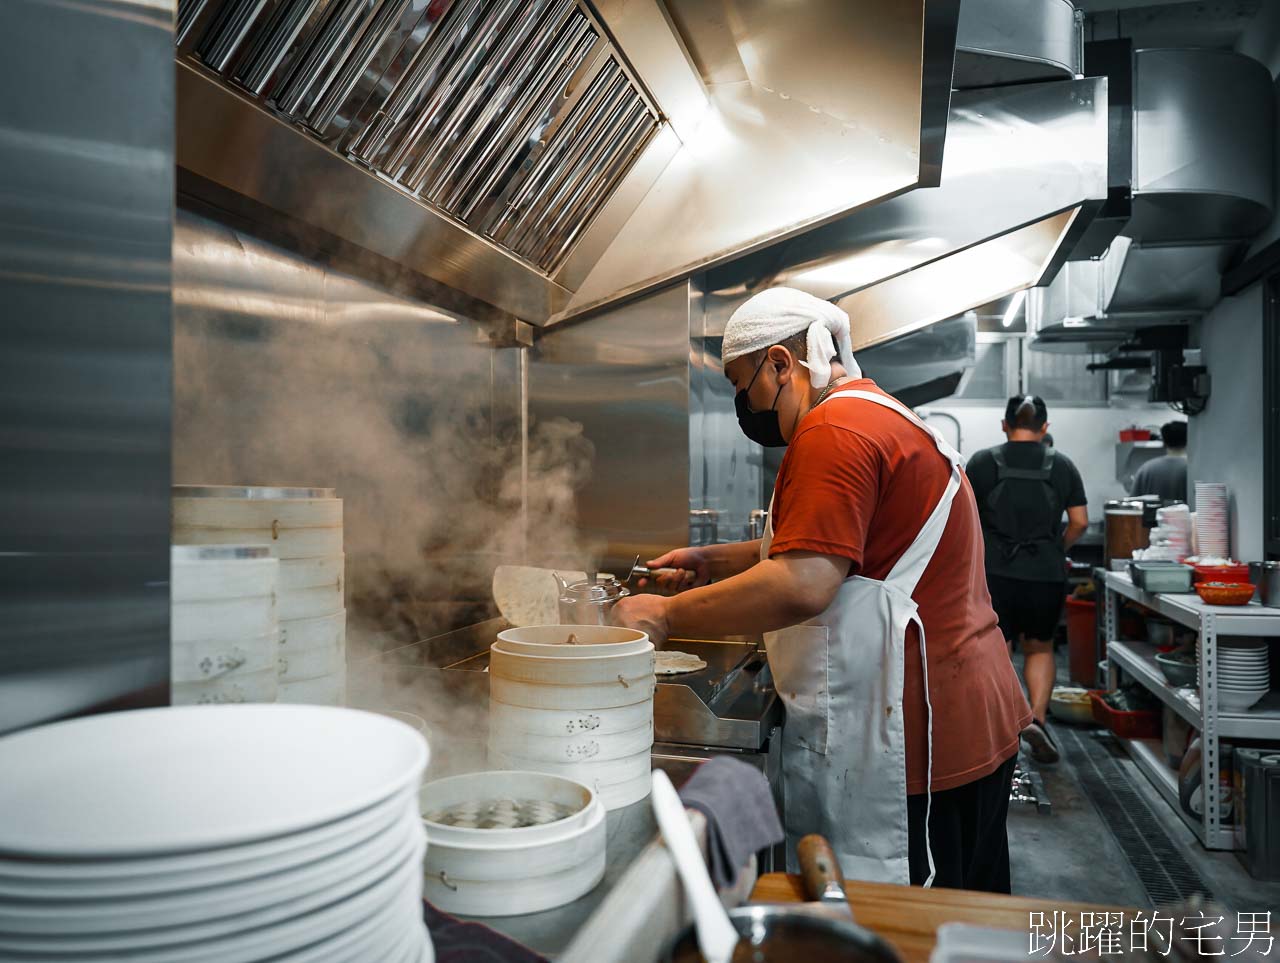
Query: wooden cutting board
x=909, y=916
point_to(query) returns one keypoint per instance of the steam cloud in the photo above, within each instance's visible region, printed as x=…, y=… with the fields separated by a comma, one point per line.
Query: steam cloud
x=286, y=375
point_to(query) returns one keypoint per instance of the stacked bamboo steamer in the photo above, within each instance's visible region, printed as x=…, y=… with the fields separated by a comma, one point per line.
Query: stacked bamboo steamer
x=223, y=624
x=303, y=529
x=580, y=710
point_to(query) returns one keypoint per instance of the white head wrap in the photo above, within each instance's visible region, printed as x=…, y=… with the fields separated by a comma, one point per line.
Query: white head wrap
x=777, y=314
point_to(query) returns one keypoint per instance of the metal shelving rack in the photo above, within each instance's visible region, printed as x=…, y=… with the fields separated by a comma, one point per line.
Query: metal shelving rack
x=1199, y=707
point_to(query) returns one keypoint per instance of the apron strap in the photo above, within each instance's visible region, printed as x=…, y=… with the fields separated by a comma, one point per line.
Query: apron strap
x=909, y=569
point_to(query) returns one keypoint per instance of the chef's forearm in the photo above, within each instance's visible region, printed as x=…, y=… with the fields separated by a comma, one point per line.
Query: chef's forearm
x=732, y=558
x=764, y=598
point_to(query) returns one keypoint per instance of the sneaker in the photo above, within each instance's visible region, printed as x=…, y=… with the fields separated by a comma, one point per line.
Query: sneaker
x=1043, y=748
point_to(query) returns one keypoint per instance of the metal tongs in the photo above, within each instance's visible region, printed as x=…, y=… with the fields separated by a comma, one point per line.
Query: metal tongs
x=643, y=571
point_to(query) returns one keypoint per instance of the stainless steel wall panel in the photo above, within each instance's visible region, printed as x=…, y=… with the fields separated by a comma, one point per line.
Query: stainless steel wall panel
x=287, y=372
x=85, y=357
x=624, y=375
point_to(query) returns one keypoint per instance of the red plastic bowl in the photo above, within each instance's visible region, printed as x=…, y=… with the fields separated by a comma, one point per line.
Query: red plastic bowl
x=1238, y=574
x=1225, y=593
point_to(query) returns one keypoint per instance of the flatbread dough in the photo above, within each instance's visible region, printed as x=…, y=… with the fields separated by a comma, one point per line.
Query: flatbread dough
x=666, y=662
x=529, y=596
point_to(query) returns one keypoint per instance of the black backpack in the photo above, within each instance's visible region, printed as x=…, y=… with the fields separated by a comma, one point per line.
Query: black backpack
x=1012, y=533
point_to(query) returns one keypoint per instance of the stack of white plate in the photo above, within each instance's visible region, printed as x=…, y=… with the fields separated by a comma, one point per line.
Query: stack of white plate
x=303, y=527
x=1212, y=520
x=1244, y=673
x=225, y=641
x=213, y=834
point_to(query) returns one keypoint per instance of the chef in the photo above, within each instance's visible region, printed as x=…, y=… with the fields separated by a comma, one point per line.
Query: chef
x=903, y=709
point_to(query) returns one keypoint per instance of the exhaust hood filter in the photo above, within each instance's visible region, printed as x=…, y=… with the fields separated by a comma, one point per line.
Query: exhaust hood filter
x=513, y=116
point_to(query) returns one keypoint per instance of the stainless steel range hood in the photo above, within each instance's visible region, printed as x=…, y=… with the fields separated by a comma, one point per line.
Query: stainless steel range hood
x=1201, y=181
x=552, y=156
x=1026, y=168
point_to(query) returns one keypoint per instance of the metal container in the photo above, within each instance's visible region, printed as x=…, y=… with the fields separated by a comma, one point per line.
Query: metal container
x=1266, y=579
x=1124, y=529
x=589, y=601
x=1162, y=576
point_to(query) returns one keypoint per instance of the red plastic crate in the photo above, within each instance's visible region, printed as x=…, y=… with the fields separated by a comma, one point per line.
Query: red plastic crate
x=1126, y=725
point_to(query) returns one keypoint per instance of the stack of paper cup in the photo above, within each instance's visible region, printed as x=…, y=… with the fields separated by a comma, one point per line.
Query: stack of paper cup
x=303, y=528
x=1173, y=530
x=1212, y=520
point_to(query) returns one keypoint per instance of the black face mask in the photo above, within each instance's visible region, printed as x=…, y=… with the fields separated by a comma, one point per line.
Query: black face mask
x=760, y=426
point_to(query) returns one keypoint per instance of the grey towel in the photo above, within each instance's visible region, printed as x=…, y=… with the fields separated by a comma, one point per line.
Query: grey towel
x=741, y=816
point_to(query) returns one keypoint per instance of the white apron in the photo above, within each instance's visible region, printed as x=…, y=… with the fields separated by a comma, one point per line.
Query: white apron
x=840, y=677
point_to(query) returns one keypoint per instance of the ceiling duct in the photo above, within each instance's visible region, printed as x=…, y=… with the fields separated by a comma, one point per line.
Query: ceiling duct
x=504, y=147
x=1202, y=162
x=1026, y=168
x=1002, y=42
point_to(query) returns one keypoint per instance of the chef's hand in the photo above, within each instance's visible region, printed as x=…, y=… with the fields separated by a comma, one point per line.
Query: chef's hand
x=645, y=613
x=692, y=565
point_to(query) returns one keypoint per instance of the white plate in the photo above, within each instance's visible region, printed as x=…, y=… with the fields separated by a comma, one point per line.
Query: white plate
x=210, y=913
x=369, y=913
x=157, y=781
x=139, y=877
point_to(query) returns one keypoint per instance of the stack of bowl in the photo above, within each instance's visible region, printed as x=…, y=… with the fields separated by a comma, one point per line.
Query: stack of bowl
x=1244, y=672
x=213, y=834
x=223, y=627
x=303, y=528
x=582, y=710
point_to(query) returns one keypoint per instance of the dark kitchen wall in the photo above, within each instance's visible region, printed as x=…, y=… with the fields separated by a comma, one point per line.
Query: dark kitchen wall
x=287, y=372
x=86, y=217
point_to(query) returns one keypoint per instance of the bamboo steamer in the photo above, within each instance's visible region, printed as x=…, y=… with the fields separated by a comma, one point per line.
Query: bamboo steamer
x=223, y=629
x=307, y=603
x=618, y=782
x=516, y=870
x=310, y=664
x=303, y=573
x=592, y=698
x=296, y=522
x=299, y=635
x=583, y=711
x=258, y=686
x=568, y=722
x=327, y=690
x=621, y=670
x=587, y=747
x=207, y=660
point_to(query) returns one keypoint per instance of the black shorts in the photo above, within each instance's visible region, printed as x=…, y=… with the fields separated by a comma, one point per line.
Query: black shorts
x=1027, y=609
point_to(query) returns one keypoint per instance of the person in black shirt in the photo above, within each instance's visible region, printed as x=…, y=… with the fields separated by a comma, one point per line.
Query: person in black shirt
x=1166, y=476
x=1023, y=487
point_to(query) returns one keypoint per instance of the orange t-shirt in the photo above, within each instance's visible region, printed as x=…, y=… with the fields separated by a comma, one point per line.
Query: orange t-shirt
x=859, y=481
